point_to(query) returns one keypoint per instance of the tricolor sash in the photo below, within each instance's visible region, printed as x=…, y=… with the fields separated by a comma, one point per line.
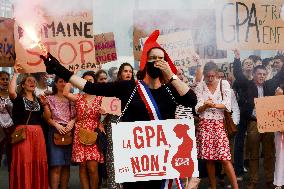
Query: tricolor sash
x=154, y=114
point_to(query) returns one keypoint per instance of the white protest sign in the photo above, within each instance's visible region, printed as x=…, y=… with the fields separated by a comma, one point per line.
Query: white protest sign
x=154, y=150
x=111, y=105
x=249, y=24
x=178, y=45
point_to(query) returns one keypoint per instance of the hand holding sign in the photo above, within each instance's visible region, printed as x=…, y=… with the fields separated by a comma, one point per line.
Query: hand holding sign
x=111, y=105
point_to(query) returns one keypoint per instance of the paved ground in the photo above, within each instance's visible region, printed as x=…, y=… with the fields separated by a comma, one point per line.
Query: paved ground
x=75, y=183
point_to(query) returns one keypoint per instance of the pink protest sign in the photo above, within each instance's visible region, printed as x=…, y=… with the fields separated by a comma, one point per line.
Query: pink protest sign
x=111, y=105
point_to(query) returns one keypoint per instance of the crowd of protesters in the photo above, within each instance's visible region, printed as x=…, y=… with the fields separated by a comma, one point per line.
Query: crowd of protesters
x=29, y=108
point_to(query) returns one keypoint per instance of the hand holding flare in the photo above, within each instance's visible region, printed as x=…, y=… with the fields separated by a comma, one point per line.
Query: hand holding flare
x=53, y=66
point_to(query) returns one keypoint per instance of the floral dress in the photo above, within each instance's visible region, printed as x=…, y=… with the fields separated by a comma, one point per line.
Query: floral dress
x=212, y=141
x=88, y=117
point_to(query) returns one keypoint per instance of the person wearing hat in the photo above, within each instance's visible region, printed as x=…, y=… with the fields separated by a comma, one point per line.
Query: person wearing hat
x=157, y=73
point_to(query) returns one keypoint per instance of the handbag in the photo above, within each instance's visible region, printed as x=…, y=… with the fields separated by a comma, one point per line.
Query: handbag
x=229, y=125
x=86, y=136
x=20, y=134
x=65, y=139
x=62, y=140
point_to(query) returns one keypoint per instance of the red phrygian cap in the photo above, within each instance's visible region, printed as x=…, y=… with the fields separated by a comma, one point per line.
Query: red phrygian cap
x=151, y=43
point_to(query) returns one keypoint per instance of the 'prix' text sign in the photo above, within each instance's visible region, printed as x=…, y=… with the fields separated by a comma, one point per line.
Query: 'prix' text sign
x=68, y=37
x=270, y=113
x=7, y=43
x=249, y=24
x=154, y=150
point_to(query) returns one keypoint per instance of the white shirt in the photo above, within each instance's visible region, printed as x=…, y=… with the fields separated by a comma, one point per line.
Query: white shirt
x=203, y=94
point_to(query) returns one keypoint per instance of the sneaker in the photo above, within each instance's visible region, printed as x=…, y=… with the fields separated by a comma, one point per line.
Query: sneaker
x=240, y=178
x=245, y=170
x=229, y=186
x=278, y=187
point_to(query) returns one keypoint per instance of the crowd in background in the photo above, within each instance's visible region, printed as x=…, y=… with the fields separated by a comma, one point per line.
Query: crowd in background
x=48, y=106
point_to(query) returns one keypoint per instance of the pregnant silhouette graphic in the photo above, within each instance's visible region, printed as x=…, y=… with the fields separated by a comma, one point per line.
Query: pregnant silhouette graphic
x=182, y=160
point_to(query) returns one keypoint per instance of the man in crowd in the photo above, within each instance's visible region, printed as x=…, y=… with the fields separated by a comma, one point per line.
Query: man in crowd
x=250, y=89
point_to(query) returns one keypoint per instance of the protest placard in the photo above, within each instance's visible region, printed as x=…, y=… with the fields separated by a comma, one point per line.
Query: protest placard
x=200, y=22
x=270, y=113
x=249, y=25
x=179, y=46
x=105, y=48
x=111, y=105
x=154, y=150
x=7, y=43
x=68, y=37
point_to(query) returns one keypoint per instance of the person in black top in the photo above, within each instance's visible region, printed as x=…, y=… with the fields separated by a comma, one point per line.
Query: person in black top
x=251, y=89
x=29, y=160
x=156, y=69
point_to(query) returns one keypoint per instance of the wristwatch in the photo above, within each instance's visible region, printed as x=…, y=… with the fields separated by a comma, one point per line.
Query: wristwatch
x=174, y=77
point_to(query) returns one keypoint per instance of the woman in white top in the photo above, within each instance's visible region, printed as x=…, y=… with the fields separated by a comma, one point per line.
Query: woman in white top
x=279, y=147
x=212, y=141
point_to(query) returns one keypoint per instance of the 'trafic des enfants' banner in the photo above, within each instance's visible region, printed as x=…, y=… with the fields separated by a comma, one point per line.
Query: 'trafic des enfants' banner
x=249, y=24
x=154, y=150
x=68, y=37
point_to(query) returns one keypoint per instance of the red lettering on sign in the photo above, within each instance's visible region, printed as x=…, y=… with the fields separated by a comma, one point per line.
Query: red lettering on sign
x=145, y=163
x=84, y=51
x=113, y=104
x=59, y=52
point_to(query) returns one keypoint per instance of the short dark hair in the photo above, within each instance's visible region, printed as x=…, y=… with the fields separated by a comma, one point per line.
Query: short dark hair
x=266, y=61
x=280, y=57
x=4, y=73
x=89, y=73
x=254, y=58
x=258, y=67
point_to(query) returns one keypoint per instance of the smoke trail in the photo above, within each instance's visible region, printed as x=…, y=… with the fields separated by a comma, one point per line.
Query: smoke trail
x=30, y=15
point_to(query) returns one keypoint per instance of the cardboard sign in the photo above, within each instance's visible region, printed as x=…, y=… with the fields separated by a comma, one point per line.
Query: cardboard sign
x=270, y=113
x=111, y=105
x=200, y=22
x=69, y=38
x=249, y=25
x=154, y=150
x=105, y=48
x=179, y=46
x=7, y=43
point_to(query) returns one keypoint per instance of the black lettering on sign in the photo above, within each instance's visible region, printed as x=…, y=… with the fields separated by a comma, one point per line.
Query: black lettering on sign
x=252, y=24
x=238, y=23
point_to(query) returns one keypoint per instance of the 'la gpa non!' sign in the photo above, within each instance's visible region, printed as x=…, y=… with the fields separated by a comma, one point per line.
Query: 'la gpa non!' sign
x=154, y=150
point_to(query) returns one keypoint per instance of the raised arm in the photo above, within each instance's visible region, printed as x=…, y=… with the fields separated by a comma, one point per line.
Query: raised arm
x=53, y=66
x=13, y=82
x=237, y=70
x=68, y=94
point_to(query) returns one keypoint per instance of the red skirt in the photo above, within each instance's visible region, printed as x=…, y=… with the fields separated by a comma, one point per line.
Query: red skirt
x=212, y=141
x=29, y=162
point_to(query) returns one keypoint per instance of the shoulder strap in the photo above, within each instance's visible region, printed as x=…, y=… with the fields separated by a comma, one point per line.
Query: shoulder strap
x=221, y=89
x=170, y=92
x=128, y=102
